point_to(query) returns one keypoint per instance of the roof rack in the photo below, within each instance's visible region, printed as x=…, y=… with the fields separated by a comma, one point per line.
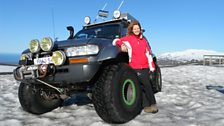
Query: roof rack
x=117, y=15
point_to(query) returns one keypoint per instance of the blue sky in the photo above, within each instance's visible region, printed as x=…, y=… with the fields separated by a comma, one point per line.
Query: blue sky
x=171, y=25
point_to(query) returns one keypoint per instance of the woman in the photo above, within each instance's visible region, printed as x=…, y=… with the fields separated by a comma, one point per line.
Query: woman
x=140, y=60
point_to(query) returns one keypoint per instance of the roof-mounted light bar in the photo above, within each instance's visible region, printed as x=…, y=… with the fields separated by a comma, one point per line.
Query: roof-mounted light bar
x=117, y=15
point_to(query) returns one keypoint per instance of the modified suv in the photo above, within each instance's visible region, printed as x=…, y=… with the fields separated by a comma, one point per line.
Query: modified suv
x=52, y=71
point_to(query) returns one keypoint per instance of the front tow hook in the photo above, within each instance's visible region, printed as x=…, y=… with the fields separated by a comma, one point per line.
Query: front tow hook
x=60, y=90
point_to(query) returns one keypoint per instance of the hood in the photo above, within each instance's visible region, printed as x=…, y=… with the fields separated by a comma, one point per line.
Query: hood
x=80, y=42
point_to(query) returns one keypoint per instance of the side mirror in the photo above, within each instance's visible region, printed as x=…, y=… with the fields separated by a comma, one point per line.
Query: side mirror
x=71, y=32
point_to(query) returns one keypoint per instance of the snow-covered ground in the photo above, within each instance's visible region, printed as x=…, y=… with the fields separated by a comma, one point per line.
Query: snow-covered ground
x=184, y=101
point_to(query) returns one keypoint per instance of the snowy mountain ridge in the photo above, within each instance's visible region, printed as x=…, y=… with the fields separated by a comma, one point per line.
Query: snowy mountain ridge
x=187, y=55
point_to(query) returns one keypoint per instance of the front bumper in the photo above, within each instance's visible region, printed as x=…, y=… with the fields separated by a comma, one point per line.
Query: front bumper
x=67, y=74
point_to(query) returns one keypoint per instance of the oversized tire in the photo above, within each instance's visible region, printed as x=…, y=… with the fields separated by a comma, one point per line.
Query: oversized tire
x=33, y=101
x=117, y=95
x=156, y=80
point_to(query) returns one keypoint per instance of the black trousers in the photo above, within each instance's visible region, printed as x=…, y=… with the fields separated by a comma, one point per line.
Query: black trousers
x=148, y=95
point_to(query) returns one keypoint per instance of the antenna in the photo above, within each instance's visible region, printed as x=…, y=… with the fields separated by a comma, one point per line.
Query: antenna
x=120, y=5
x=53, y=25
x=97, y=16
x=104, y=6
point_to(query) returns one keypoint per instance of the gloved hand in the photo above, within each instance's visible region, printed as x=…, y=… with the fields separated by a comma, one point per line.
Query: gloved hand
x=152, y=69
x=124, y=48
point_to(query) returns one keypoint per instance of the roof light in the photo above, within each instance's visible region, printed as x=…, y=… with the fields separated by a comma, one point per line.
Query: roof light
x=87, y=20
x=117, y=14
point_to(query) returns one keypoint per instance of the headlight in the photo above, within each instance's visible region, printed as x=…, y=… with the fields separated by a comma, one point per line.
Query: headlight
x=34, y=46
x=23, y=57
x=46, y=44
x=82, y=50
x=58, y=58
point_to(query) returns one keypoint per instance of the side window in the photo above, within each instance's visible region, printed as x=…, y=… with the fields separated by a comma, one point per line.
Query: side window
x=82, y=36
x=124, y=30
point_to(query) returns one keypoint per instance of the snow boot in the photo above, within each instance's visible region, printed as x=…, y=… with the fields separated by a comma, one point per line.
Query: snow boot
x=151, y=109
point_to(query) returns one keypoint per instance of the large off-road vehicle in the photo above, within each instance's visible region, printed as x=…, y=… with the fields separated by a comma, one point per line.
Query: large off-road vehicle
x=87, y=63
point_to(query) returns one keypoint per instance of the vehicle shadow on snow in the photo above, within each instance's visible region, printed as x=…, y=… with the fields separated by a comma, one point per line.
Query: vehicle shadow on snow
x=78, y=99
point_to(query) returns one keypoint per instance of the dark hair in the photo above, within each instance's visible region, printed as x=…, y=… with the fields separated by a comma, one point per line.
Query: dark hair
x=131, y=25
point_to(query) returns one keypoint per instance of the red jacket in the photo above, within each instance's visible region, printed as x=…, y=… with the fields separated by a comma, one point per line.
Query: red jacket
x=138, y=51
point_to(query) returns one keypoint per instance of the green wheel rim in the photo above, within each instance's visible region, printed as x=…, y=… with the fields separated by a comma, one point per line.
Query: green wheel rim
x=129, y=92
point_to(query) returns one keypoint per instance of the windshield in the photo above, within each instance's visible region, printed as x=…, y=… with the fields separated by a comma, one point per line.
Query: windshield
x=111, y=31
